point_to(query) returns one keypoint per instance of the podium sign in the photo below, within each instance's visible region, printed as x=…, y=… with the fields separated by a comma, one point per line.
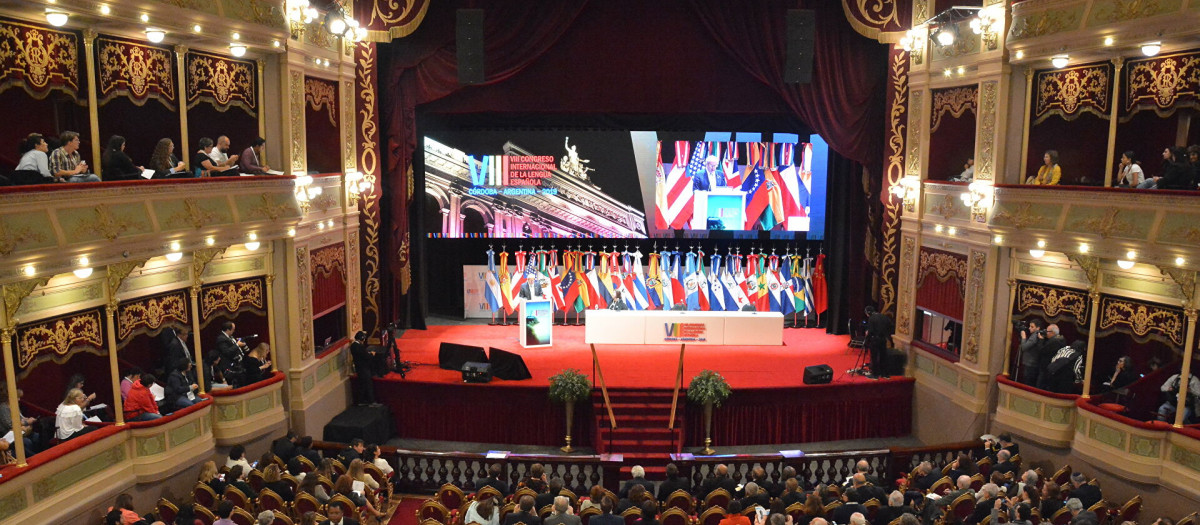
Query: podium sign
x=717, y=210
x=537, y=321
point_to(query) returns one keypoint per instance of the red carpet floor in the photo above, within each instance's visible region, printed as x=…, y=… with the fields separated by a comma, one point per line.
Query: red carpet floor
x=651, y=366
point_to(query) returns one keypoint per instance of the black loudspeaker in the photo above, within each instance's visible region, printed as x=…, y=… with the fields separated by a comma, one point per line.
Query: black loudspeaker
x=469, y=44
x=452, y=356
x=507, y=365
x=477, y=372
x=801, y=39
x=895, y=361
x=818, y=374
x=371, y=424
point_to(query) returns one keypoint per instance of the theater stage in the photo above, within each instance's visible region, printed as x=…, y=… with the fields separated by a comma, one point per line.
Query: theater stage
x=769, y=404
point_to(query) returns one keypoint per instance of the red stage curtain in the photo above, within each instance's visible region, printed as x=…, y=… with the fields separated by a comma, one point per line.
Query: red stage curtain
x=321, y=116
x=328, y=278
x=943, y=297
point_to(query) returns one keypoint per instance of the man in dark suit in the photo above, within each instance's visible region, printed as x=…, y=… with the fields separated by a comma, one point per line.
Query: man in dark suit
x=176, y=348
x=673, y=483
x=352, y=452
x=337, y=516
x=879, y=333
x=639, y=478
x=364, y=369
x=776, y=489
x=1003, y=465
x=285, y=447
x=894, y=509
x=755, y=495
x=1079, y=513
x=606, y=516
x=711, y=178
x=940, y=505
x=524, y=513
x=842, y=514
x=988, y=494
x=562, y=514
x=304, y=448
x=1087, y=493
x=494, y=473
x=926, y=476
x=547, y=498
x=230, y=351
x=720, y=480
x=862, y=492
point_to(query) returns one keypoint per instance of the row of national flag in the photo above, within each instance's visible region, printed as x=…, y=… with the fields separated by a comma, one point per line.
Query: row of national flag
x=671, y=280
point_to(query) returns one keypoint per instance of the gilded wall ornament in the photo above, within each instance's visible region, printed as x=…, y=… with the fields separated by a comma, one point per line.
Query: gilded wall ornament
x=893, y=172
x=907, y=286
x=321, y=95
x=11, y=238
x=916, y=113
x=59, y=336
x=151, y=313
x=944, y=266
x=1052, y=301
x=1106, y=225
x=391, y=19
x=223, y=82
x=368, y=163
x=136, y=71
x=38, y=59
x=1020, y=219
x=1142, y=318
x=1070, y=92
x=329, y=259
x=955, y=101
x=296, y=91
x=267, y=208
x=231, y=297
x=985, y=159
x=304, y=293
x=974, y=320
x=193, y=213
x=1161, y=83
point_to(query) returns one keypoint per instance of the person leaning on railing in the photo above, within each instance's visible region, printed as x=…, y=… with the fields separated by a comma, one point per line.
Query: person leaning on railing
x=1050, y=172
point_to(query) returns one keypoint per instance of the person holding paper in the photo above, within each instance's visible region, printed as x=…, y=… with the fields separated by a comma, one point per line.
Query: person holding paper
x=116, y=163
x=181, y=389
x=251, y=159
x=163, y=161
x=66, y=164
x=140, y=404
x=68, y=417
x=354, y=491
x=220, y=155
x=6, y=424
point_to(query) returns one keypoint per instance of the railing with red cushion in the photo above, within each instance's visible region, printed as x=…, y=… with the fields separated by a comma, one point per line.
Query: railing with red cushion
x=1088, y=405
x=10, y=472
x=204, y=402
x=275, y=377
x=1004, y=380
x=1111, y=191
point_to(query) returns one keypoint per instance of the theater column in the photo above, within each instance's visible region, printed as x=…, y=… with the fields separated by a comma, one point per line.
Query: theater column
x=1094, y=296
x=114, y=375
x=89, y=55
x=258, y=96
x=1185, y=377
x=181, y=79
x=1117, y=63
x=1025, y=127
x=13, y=408
x=291, y=74
x=271, y=311
x=194, y=292
x=1008, y=335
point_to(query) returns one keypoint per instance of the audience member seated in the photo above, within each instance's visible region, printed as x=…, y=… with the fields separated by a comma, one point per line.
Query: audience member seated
x=373, y=455
x=352, y=452
x=537, y=479
x=345, y=486
x=1178, y=173
x=209, y=475
x=223, y=163
x=862, y=492
x=140, y=404
x=132, y=374
x=1016, y=514
x=493, y=479
x=1079, y=513
x=357, y=472
x=1123, y=375
x=68, y=418
x=77, y=381
x=967, y=175
x=813, y=508
x=963, y=466
x=223, y=512
x=265, y=517
x=759, y=476
x=562, y=513
x=989, y=493
x=1029, y=496
x=311, y=485
x=1086, y=492
x=251, y=159
x=638, y=478
x=733, y=515
x=181, y=388
x=285, y=447
x=673, y=483
x=1170, y=389
x=649, y=513
x=1129, y=172
x=791, y=493
x=1051, y=500
x=273, y=479
x=237, y=456
x=116, y=164
x=939, y=506
x=237, y=478
x=28, y=437
x=483, y=511
x=1003, y=465
x=842, y=514
x=1050, y=173
x=755, y=495
x=926, y=477
x=256, y=365
x=606, y=516
x=895, y=507
x=1006, y=441
x=124, y=504
x=34, y=166
x=547, y=497
x=202, y=164
x=66, y=165
x=593, y=500
x=164, y=163
x=720, y=480
x=637, y=494
x=304, y=448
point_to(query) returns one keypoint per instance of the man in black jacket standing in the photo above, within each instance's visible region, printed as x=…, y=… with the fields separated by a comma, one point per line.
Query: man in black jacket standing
x=364, y=369
x=879, y=333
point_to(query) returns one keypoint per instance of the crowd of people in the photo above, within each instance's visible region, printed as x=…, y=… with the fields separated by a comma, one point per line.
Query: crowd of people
x=42, y=162
x=1180, y=170
x=1007, y=494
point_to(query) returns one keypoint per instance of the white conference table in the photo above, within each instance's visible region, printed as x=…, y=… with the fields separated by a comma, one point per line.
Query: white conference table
x=650, y=327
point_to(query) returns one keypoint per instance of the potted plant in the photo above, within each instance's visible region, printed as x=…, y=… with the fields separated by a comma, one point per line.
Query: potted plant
x=569, y=386
x=710, y=389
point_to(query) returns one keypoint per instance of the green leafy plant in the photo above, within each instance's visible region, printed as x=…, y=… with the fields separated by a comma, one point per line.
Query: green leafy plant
x=569, y=385
x=708, y=387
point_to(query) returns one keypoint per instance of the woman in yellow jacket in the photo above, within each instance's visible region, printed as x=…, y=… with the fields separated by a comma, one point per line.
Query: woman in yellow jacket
x=1049, y=173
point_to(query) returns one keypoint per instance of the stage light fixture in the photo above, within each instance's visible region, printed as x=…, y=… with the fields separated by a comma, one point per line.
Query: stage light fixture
x=274, y=43
x=291, y=232
x=938, y=228
x=236, y=36
x=1125, y=265
x=145, y=17
x=1060, y=61
x=56, y=18
x=945, y=36
x=105, y=10
x=1179, y=261
x=946, y=73
x=1037, y=254
x=30, y=270
x=1131, y=255
x=1041, y=244
x=1108, y=40
x=196, y=28
x=952, y=230
x=210, y=241
x=1020, y=54
x=1083, y=247
x=997, y=239
x=1151, y=48
x=155, y=35
x=237, y=50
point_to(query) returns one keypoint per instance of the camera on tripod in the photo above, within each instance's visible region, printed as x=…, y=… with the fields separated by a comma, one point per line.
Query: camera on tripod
x=1023, y=326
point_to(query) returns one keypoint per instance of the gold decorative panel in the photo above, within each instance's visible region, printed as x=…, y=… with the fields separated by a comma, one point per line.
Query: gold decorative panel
x=1142, y=320
x=943, y=265
x=148, y=314
x=58, y=337
x=1163, y=83
x=984, y=164
x=38, y=59
x=975, y=303
x=296, y=112
x=955, y=101
x=223, y=82
x=136, y=71
x=231, y=297
x=329, y=259
x=1073, y=91
x=321, y=95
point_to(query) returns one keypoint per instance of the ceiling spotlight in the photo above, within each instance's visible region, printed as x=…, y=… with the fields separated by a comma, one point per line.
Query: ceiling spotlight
x=1041, y=244
x=945, y=36
x=174, y=256
x=237, y=50
x=251, y=246
x=291, y=232
x=210, y=241
x=56, y=18
x=1037, y=254
x=1060, y=61
x=274, y=43
x=104, y=10
x=174, y=246
x=1151, y=48
x=1083, y=247
x=946, y=73
x=938, y=228
x=252, y=236
x=961, y=70
x=196, y=28
x=145, y=17
x=997, y=239
x=952, y=230
x=335, y=23
x=1125, y=265
x=1179, y=261
x=1020, y=54
x=236, y=36
x=1108, y=40
x=155, y=35
x=1131, y=255
x=82, y=273
x=329, y=223
x=30, y=270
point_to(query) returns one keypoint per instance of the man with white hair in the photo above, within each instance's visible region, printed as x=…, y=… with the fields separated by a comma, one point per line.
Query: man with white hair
x=939, y=505
x=756, y=495
x=1003, y=465
x=926, y=476
x=563, y=514
x=985, y=501
x=639, y=478
x=712, y=178
x=894, y=509
x=858, y=519
x=265, y=517
x=1087, y=493
x=1030, y=477
x=1079, y=513
x=818, y=521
